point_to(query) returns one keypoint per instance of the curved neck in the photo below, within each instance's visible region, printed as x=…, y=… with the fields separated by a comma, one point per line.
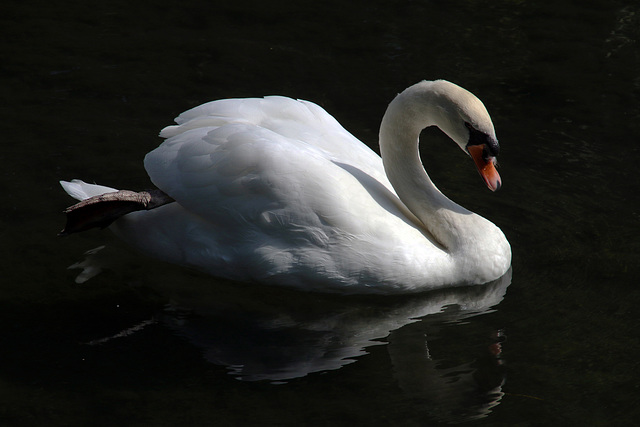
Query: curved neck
x=409, y=113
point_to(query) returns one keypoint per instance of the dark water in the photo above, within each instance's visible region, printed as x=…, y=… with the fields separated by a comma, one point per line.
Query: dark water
x=87, y=86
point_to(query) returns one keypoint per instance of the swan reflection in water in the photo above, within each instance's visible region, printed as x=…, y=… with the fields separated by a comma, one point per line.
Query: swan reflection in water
x=277, y=335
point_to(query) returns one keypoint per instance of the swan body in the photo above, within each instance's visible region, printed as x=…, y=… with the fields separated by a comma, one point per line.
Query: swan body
x=275, y=190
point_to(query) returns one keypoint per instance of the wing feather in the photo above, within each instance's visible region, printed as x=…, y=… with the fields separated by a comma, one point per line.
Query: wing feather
x=280, y=167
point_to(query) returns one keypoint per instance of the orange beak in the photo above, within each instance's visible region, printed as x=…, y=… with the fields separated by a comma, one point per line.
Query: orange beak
x=487, y=168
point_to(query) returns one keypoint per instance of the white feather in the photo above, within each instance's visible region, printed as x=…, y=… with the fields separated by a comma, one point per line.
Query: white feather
x=276, y=190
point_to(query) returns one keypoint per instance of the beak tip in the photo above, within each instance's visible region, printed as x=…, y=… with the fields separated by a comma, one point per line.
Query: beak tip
x=495, y=186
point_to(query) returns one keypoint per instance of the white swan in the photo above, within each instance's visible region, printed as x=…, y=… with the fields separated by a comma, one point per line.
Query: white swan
x=275, y=190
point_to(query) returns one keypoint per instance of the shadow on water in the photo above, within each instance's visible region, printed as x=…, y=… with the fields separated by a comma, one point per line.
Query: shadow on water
x=280, y=335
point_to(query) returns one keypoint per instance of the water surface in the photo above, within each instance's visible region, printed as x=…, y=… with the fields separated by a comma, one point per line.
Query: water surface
x=88, y=86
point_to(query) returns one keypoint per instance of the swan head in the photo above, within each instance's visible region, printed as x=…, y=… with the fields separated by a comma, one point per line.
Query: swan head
x=464, y=118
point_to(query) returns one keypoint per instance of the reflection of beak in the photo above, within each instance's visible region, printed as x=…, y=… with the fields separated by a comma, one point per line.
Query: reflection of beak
x=487, y=168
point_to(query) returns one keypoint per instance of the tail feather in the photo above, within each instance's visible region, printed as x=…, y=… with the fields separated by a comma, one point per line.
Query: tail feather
x=80, y=190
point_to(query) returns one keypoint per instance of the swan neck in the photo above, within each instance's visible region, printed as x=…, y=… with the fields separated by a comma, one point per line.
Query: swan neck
x=407, y=115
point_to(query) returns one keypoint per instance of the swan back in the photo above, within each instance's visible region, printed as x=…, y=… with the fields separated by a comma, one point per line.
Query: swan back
x=298, y=120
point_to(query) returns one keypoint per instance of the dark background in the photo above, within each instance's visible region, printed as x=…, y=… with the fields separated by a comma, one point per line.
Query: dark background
x=86, y=87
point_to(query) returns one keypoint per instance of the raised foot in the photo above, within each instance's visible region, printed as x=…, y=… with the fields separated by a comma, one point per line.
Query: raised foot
x=100, y=211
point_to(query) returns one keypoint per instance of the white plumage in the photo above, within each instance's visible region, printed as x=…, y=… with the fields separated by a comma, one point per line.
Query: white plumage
x=276, y=190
